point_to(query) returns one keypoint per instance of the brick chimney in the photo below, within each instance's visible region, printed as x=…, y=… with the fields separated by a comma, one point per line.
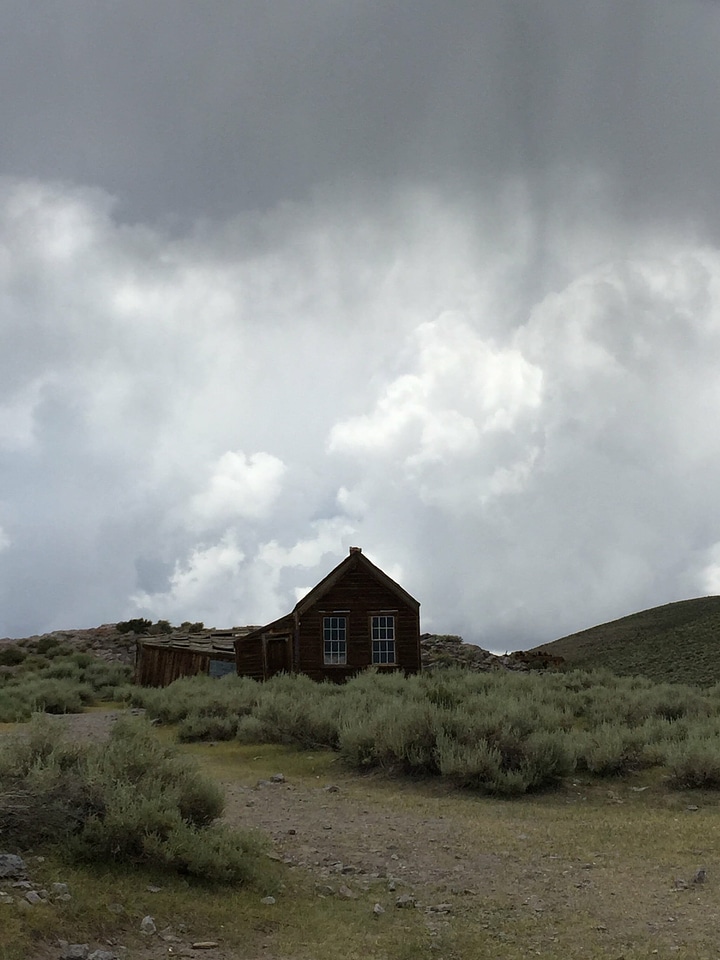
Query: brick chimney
x=355, y=549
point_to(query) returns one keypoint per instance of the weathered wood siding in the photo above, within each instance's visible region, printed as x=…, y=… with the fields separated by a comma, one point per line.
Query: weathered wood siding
x=250, y=654
x=358, y=596
x=159, y=666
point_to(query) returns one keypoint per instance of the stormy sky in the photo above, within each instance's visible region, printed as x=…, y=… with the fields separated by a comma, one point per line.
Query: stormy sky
x=438, y=280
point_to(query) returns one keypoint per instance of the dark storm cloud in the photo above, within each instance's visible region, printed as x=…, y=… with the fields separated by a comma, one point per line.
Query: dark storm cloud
x=186, y=109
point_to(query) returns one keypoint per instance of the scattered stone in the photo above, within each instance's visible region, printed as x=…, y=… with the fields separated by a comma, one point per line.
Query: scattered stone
x=680, y=884
x=378, y=910
x=60, y=890
x=405, y=901
x=277, y=778
x=268, y=901
x=75, y=951
x=700, y=876
x=147, y=926
x=292, y=831
x=391, y=885
x=440, y=908
x=205, y=944
x=22, y=885
x=332, y=788
x=33, y=897
x=116, y=908
x=692, y=807
x=151, y=888
x=6, y=898
x=12, y=866
x=345, y=893
x=103, y=955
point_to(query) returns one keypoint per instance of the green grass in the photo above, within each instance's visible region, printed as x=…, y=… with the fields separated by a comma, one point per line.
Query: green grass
x=677, y=642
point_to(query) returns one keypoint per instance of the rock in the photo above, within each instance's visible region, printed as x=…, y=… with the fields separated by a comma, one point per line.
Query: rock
x=277, y=778
x=12, y=866
x=103, y=955
x=147, y=926
x=440, y=908
x=378, y=909
x=332, y=788
x=700, y=876
x=33, y=897
x=75, y=951
x=116, y=908
x=59, y=890
x=405, y=901
x=6, y=898
x=206, y=944
x=269, y=901
x=345, y=893
x=151, y=888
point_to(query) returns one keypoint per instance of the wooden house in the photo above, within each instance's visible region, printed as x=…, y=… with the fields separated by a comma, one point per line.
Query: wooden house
x=356, y=617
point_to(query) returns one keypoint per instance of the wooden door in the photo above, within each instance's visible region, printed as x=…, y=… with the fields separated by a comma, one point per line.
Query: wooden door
x=277, y=655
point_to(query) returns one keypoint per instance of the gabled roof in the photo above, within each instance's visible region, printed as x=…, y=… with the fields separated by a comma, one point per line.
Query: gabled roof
x=355, y=558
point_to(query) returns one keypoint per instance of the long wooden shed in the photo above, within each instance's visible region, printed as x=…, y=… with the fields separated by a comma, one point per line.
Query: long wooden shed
x=160, y=660
x=356, y=617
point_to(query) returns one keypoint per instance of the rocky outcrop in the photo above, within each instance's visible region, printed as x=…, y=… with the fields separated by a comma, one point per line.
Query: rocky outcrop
x=446, y=650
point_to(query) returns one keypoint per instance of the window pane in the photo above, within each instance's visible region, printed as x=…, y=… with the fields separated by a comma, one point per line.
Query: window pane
x=334, y=640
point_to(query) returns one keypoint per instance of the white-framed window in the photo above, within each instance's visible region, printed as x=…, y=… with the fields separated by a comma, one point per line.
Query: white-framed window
x=334, y=640
x=383, y=639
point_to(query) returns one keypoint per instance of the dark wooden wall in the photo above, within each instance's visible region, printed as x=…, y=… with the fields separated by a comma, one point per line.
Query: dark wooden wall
x=363, y=595
x=159, y=666
x=250, y=656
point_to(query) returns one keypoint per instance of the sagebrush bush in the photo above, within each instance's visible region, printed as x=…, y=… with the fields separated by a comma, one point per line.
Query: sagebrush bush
x=59, y=681
x=131, y=800
x=497, y=732
x=695, y=762
x=197, y=726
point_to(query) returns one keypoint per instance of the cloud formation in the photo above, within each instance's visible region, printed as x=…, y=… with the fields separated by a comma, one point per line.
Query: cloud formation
x=448, y=289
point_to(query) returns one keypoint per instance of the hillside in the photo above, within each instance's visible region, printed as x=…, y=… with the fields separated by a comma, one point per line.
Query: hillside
x=676, y=642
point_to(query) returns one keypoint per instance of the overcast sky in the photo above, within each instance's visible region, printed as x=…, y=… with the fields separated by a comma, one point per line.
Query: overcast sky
x=440, y=280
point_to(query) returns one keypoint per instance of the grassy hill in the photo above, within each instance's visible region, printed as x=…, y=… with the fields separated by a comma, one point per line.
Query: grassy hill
x=677, y=642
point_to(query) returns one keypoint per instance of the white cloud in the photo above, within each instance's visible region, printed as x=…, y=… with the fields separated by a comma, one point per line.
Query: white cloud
x=241, y=487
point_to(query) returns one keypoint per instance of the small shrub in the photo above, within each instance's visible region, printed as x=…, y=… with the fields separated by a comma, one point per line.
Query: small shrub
x=694, y=762
x=138, y=625
x=12, y=655
x=199, y=727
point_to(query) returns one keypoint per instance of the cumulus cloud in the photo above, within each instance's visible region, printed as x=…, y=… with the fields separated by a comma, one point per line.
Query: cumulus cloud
x=240, y=486
x=177, y=443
